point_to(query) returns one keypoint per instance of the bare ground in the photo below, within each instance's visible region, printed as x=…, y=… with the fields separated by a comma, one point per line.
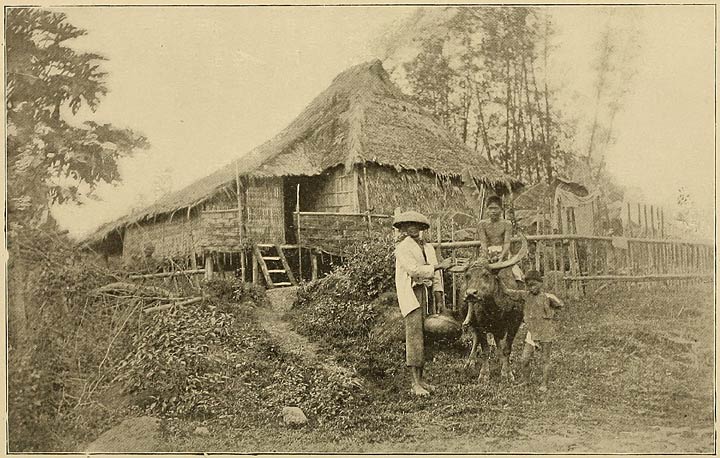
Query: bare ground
x=271, y=320
x=634, y=377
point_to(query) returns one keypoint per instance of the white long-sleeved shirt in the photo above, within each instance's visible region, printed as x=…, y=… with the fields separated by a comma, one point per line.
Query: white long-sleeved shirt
x=412, y=269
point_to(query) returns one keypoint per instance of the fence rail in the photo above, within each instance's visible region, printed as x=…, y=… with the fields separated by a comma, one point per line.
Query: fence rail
x=576, y=259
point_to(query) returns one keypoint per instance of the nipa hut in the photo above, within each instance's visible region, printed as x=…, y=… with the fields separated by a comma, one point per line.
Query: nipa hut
x=360, y=151
x=562, y=206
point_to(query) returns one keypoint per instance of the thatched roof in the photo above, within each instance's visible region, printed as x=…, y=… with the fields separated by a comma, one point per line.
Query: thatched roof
x=361, y=118
x=539, y=194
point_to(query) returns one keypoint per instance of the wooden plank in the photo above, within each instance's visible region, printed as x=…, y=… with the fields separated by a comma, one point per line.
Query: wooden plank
x=285, y=264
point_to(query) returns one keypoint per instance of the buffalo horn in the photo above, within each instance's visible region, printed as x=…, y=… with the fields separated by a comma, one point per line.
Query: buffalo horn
x=513, y=260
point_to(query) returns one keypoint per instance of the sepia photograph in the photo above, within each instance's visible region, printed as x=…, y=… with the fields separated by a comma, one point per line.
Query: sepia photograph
x=360, y=229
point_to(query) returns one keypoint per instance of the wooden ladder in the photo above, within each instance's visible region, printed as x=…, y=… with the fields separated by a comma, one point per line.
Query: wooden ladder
x=265, y=254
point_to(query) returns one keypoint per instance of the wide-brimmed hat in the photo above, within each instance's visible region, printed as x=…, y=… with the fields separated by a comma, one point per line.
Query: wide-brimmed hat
x=411, y=217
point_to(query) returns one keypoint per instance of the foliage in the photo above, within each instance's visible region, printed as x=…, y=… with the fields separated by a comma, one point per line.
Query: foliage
x=63, y=361
x=340, y=304
x=178, y=366
x=343, y=308
x=211, y=360
x=49, y=159
x=234, y=290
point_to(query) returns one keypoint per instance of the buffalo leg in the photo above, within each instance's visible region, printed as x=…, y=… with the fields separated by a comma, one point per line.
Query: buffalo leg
x=506, y=372
x=485, y=369
x=472, y=357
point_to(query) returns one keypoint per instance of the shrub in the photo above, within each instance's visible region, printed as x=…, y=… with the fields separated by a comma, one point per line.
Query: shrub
x=183, y=362
x=343, y=308
x=65, y=358
x=233, y=290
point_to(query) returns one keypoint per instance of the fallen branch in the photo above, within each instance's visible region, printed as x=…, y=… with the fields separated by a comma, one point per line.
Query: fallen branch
x=168, y=274
x=131, y=289
x=158, y=308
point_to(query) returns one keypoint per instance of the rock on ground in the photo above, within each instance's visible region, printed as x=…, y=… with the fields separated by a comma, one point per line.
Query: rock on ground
x=294, y=416
x=139, y=434
x=202, y=431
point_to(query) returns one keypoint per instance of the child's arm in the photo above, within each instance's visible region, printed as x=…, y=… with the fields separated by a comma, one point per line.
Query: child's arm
x=555, y=301
x=516, y=294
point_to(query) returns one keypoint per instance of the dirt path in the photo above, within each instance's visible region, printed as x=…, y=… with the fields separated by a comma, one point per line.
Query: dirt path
x=271, y=319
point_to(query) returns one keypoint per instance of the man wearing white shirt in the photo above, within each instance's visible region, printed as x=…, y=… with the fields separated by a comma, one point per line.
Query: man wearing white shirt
x=416, y=270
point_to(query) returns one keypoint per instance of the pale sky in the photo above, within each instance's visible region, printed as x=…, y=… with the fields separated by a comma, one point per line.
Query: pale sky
x=207, y=84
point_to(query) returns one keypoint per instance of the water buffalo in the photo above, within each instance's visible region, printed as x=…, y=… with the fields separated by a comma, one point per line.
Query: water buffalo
x=491, y=310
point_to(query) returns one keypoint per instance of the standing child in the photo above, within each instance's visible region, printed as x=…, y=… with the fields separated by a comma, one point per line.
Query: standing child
x=541, y=323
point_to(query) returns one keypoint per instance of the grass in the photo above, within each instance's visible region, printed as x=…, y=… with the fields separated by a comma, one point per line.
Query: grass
x=629, y=361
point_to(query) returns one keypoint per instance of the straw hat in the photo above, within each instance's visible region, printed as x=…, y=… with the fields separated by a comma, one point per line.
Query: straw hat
x=411, y=217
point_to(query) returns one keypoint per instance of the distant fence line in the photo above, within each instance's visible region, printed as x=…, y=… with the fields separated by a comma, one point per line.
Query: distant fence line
x=576, y=260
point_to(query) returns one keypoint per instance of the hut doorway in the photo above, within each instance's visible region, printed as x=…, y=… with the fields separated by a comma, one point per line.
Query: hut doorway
x=308, y=196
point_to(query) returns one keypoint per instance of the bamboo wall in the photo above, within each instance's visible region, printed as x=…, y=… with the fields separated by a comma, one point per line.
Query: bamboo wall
x=438, y=199
x=264, y=210
x=176, y=238
x=334, y=233
x=335, y=192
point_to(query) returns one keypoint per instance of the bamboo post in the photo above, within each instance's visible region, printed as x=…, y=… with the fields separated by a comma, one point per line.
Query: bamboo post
x=454, y=260
x=574, y=265
x=538, y=248
x=652, y=221
x=609, y=254
x=645, y=232
x=628, y=229
x=241, y=235
x=208, y=266
x=662, y=222
x=671, y=257
x=651, y=256
x=314, y=261
x=545, y=258
x=255, y=272
x=627, y=259
x=297, y=209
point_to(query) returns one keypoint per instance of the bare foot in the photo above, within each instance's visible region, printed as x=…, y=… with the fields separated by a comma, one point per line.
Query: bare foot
x=543, y=388
x=429, y=387
x=419, y=390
